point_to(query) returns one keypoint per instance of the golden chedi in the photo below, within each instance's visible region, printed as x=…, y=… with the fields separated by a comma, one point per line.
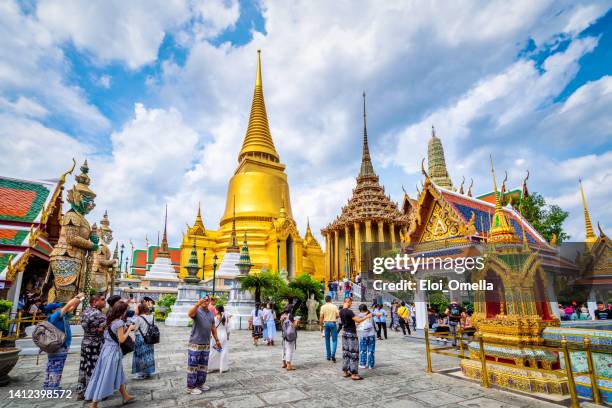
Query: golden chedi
x=258, y=203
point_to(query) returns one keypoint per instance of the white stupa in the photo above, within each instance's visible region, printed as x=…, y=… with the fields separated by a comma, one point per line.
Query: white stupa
x=162, y=272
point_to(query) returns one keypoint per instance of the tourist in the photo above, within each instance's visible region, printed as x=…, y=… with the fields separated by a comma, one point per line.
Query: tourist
x=35, y=307
x=256, y=324
x=268, y=316
x=466, y=322
x=199, y=345
x=403, y=315
x=112, y=300
x=108, y=376
x=330, y=286
x=350, y=342
x=380, y=318
x=367, y=338
x=601, y=313
x=347, y=289
x=328, y=316
x=441, y=328
x=453, y=311
x=93, y=322
x=143, y=360
x=59, y=316
x=394, y=317
x=219, y=358
x=432, y=316
x=213, y=305
x=412, y=310
x=288, y=326
x=584, y=312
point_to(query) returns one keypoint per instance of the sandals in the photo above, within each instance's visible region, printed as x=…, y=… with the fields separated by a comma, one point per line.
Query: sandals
x=129, y=401
x=358, y=378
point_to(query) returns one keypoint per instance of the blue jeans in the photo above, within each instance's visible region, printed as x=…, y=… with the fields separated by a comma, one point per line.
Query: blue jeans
x=367, y=346
x=330, y=330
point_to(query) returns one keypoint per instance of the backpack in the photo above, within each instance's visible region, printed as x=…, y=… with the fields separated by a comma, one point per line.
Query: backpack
x=289, y=332
x=47, y=337
x=152, y=336
x=455, y=311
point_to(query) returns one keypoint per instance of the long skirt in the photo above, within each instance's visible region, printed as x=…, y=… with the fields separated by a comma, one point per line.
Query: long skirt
x=219, y=360
x=270, y=330
x=197, y=364
x=143, y=360
x=288, y=350
x=90, y=351
x=350, y=352
x=55, y=368
x=108, y=375
x=257, y=331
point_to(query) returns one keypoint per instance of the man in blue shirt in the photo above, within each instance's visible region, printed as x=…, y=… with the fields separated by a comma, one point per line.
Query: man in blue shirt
x=59, y=316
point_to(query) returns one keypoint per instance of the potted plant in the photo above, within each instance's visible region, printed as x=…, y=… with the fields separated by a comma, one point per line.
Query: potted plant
x=9, y=354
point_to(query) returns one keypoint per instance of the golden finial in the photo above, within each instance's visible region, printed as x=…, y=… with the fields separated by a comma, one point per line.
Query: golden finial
x=258, y=81
x=63, y=177
x=601, y=233
x=590, y=235
x=417, y=188
x=493, y=174
x=461, y=188
x=469, y=193
x=433, y=131
x=525, y=192
x=423, y=168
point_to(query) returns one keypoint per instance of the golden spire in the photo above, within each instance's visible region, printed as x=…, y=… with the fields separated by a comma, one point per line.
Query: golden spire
x=163, y=251
x=469, y=193
x=367, y=170
x=258, y=139
x=501, y=230
x=590, y=235
x=461, y=191
x=233, y=245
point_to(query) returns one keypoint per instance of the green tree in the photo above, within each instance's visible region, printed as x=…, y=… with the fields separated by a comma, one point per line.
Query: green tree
x=546, y=219
x=257, y=283
x=303, y=286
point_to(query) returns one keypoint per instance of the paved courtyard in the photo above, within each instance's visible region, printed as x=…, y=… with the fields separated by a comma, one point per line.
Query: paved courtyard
x=256, y=379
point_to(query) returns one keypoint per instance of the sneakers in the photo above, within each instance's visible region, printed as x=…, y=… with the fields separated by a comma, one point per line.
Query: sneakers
x=194, y=391
x=362, y=366
x=198, y=390
x=334, y=359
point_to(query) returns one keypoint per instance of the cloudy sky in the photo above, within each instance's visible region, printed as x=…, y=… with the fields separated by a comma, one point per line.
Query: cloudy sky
x=156, y=95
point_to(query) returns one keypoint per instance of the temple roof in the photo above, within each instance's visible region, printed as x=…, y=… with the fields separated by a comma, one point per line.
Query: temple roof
x=368, y=202
x=484, y=213
x=29, y=218
x=258, y=139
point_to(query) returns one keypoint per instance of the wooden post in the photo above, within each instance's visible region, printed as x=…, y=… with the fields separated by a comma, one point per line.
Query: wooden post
x=570, y=375
x=483, y=361
x=427, y=350
x=589, y=358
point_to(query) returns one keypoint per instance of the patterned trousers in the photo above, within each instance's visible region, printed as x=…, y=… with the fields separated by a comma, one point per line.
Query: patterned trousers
x=350, y=352
x=197, y=364
x=55, y=368
x=90, y=351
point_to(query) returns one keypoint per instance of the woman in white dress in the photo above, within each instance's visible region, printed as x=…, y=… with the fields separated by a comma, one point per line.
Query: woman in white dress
x=269, y=317
x=219, y=360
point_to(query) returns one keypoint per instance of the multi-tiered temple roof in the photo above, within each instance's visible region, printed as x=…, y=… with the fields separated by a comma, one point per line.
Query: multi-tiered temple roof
x=369, y=201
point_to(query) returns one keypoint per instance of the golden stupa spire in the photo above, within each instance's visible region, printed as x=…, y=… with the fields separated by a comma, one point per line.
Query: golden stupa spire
x=367, y=170
x=258, y=139
x=163, y=251
x=500, y=230
x=233, y=243
x=590, y=235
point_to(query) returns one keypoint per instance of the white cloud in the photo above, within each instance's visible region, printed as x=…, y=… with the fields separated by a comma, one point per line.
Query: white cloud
x=104, y=81
x=24, y=106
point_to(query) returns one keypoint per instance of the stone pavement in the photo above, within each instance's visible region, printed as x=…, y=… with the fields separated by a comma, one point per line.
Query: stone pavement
x=256, y=379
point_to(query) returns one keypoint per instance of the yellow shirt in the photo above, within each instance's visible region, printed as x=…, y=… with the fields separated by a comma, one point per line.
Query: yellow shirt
x=329, y=312
x=403, y=312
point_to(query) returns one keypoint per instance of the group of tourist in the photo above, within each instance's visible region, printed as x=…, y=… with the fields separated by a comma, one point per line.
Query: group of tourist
x=340, y=289
x=123, y=329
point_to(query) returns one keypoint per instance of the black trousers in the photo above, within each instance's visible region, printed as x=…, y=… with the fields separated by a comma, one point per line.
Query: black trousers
x=404, y=325
x=381, y=327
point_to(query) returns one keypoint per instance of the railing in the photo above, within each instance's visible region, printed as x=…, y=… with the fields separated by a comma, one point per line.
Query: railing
x=564, y=348
x=21, y=320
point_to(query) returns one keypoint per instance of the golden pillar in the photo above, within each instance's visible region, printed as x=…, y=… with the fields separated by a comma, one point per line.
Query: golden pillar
x=381, y=231
x=392, y=232
x=368, y=231
x=347, y=245
x=336, y=263
x=357, y=249
x=328, y=255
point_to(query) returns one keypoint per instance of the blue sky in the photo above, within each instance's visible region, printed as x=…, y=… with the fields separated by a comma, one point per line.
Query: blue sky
x=156, y=95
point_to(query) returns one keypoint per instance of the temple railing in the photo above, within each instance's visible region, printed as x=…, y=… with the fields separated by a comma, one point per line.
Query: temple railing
x=564, y=349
